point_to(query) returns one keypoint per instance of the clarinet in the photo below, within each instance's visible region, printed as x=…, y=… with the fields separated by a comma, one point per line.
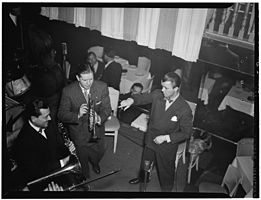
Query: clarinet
x=91, y=117
x=67, y=141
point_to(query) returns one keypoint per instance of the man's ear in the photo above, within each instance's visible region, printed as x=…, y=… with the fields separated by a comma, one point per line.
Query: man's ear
x=33, y=118
x=176, y=89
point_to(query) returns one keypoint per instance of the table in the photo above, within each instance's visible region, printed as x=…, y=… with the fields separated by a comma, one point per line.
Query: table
x=245, y=165
x=141, y=122
x=237, y=99
x=132, y=76
x=124, y=63
x=206, y=86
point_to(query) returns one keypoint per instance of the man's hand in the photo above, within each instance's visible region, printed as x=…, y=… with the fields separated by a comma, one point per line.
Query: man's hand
x=83, y=110
x=65, y=160
x=53, y=187
x=161, y=138
x=125, y=104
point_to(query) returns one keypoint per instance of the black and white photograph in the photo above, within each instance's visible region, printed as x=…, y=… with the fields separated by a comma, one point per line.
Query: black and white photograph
x=130, y=100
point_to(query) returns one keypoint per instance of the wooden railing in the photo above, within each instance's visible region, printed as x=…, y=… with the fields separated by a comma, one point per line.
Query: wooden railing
x=234, y=25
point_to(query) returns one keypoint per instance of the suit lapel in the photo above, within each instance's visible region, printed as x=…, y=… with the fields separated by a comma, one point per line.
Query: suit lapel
x=174, y=106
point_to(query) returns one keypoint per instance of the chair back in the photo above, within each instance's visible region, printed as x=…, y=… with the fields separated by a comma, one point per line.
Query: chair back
x=98, y=50
x=114, y=99
x=144, y=64
x=147, y=84
x=178, y=72
x=193, y=107
x=245, y=147
x=232, y=179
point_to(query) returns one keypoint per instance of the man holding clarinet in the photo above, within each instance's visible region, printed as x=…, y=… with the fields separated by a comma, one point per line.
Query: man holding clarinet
x=86, y=122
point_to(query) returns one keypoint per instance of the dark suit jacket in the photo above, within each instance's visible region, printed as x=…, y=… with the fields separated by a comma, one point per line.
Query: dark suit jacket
x=176, y=121
x=112, y=75
x=71, y=100
x=36, y=155
x=99, y=72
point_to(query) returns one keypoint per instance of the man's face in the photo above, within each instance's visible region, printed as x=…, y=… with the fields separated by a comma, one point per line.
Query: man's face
x=168, y=90
x=136, y=90
x=43, y=119
x=92, y=59
x=85, y=80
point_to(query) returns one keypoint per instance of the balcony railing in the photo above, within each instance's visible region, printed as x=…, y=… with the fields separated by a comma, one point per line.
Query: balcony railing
x=234, y=25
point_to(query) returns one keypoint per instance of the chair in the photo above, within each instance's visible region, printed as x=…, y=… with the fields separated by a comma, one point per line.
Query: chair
x=147, y=84
x=245, y=147
x=181, y=152
x=144, y=64
x=178, y=72
x=229, y=185
x=112, y=125
x=98, y=50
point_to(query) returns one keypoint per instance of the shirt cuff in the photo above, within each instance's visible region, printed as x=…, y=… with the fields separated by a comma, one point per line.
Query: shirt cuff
x=98, y=120
x=167, y=137
x=130, y=100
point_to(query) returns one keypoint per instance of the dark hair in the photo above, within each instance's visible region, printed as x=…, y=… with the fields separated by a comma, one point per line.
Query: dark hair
x=109, y=52
x=33, y=108
x=137, y=85
x=84, y=69
x=172, y=77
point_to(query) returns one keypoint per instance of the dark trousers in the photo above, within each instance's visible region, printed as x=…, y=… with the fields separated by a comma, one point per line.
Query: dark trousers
x=92, y=154
x=165, y=165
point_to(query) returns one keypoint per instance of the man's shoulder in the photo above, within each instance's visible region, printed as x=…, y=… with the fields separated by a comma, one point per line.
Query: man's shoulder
x=99, y=84
x=71, y=86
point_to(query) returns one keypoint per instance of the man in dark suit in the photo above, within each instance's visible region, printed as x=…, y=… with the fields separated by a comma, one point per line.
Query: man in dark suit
x=73, y=111
x=112, y=72
x=170, y=123
x=96, y=65
x=39, y=148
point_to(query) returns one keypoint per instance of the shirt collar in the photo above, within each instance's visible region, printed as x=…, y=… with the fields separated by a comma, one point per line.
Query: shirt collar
x=34, y=127
x=171, y=100
x=83, y=89
x=107, y=64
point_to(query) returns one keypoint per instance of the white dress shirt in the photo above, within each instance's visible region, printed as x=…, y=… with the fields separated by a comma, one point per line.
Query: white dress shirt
x=107, y=64
x=38, y=129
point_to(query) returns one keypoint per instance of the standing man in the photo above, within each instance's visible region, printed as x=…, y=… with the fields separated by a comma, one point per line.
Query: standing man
x=96, y=65
x=112, y=71
x=73, y=111
x=39, y=148
x=170, y=124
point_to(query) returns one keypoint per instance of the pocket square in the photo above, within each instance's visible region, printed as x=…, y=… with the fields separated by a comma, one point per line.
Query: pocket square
x=174, y=118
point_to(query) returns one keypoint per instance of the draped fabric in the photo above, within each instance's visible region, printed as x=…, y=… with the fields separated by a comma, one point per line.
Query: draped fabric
x=176, y=30
x=147, y=27
x=188, y=36
x=112, y=22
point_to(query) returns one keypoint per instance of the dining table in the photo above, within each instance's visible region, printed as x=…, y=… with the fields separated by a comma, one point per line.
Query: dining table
x=245, y=164
x=132, y=75
x=239, y=98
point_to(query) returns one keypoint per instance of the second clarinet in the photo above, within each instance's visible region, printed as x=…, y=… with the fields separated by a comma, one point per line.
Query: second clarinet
x=92, y=120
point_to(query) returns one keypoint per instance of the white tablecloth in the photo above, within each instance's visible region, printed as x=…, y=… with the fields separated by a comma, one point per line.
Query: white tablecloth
x=141, y=122
x=206, y=86
x=246, y=167
x=124, y=63
x=237, y=99
x=133, y=75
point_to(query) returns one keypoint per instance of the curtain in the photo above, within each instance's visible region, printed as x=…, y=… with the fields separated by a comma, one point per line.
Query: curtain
x=147, y=26
x=112, y=22
x=188, y=35
x=179, y=31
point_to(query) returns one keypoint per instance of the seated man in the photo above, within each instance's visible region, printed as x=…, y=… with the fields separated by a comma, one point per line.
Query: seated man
x=39, y=149
x=129, y=115
x=96, y=65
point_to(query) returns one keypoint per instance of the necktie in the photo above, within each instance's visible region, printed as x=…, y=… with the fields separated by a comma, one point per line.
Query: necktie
x=85, y=93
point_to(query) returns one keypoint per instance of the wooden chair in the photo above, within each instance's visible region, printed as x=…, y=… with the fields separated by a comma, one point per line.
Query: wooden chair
x=98, y=50
x=229, y=185
x=112, y=125
x=144, y=64
x=245, y=147
x=147, y=84
x=181, y=152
